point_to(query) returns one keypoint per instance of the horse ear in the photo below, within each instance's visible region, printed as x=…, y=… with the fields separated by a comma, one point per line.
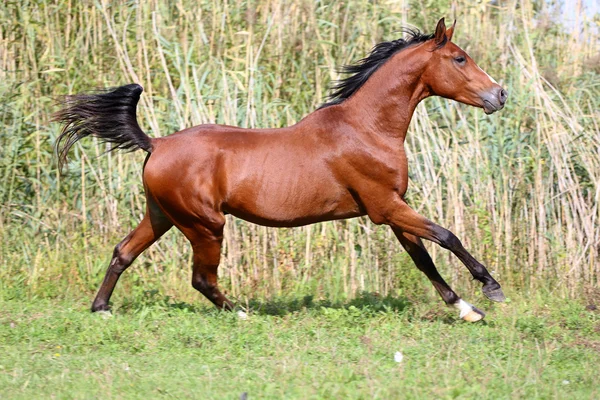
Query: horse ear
x=440, y=33
x=450, y=31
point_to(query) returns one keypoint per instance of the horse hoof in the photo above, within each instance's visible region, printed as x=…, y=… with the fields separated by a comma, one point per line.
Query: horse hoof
x=474, y=315
x=469, y=312
x=104, y=314
x=242, y=315
x=494, y=294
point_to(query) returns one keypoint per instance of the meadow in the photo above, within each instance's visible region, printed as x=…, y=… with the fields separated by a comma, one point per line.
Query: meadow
x=331, y=303
x=157, y=347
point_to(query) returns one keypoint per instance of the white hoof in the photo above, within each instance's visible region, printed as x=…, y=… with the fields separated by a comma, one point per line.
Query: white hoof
x=242, y=315
x=104, y=314
x=468, y=312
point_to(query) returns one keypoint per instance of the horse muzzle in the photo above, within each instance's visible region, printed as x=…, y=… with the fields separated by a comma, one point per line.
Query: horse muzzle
x=494, y=100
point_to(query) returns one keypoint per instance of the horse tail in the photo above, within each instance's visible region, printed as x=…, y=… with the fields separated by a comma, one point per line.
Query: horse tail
x=109, y=115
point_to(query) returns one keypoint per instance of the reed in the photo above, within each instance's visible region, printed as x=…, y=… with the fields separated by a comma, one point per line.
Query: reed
x=521, y=190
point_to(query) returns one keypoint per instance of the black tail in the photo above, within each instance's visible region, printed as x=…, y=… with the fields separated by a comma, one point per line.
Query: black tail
x=109, y=115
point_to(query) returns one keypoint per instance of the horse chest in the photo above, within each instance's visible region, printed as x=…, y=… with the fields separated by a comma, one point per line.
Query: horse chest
x=377, y=171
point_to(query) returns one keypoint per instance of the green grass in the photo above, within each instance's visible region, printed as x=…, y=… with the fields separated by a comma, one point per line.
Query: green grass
x=154, y=347
x=519, y=188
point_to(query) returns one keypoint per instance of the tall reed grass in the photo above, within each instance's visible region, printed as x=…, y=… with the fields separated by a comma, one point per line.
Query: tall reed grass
x=521, y=188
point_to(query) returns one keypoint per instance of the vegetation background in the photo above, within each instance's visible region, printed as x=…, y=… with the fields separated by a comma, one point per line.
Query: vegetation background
x=521, y=188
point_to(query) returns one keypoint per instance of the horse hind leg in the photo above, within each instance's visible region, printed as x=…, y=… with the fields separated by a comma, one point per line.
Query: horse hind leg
x=151, y=228
x=207, y=253
x=206, y=237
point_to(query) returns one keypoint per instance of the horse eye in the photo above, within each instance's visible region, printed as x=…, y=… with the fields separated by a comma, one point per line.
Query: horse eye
x=460, y=59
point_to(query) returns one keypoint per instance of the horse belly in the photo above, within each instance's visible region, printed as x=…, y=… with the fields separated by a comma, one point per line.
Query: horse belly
x=289, y=205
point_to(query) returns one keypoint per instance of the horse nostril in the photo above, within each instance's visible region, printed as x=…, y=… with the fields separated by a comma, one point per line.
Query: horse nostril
x=503, y=96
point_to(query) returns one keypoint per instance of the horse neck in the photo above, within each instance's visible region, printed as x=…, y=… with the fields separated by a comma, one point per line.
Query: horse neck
x=386, y=102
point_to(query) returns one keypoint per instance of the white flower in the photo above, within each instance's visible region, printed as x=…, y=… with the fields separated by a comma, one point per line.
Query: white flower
x=398, y=357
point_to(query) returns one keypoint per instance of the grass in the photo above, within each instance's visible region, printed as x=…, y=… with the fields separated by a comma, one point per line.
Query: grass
x=299, y=348
x=519, y=188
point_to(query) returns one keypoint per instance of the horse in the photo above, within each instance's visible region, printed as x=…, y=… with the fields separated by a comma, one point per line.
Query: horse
x=344, y=160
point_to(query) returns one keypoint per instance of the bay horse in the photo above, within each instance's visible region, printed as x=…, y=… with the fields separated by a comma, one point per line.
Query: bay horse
x=344, y=160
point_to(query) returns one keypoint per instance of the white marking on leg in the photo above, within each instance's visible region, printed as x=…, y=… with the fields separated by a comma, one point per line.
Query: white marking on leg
x=242, y=315
x=464, y=307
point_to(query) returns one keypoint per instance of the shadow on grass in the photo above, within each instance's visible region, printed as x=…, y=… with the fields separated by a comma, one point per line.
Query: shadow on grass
x=154, y=299
x=365, y=301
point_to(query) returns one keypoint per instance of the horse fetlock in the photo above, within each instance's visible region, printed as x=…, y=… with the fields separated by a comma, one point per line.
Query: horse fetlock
x=100, y=307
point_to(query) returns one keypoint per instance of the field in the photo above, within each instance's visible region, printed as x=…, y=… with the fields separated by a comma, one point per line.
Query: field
x=157, y=347
x=330, y=304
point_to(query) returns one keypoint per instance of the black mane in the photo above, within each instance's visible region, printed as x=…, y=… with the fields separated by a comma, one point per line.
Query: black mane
x=363, y=69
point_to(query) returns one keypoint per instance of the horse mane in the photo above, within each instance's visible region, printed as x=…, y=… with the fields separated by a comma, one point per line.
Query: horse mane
x=362, y=70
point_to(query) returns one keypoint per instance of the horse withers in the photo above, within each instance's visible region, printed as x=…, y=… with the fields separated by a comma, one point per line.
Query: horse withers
x=344, y=160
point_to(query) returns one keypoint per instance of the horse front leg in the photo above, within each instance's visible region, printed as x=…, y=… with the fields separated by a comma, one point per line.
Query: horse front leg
x=415, y=249
x=400, y=216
